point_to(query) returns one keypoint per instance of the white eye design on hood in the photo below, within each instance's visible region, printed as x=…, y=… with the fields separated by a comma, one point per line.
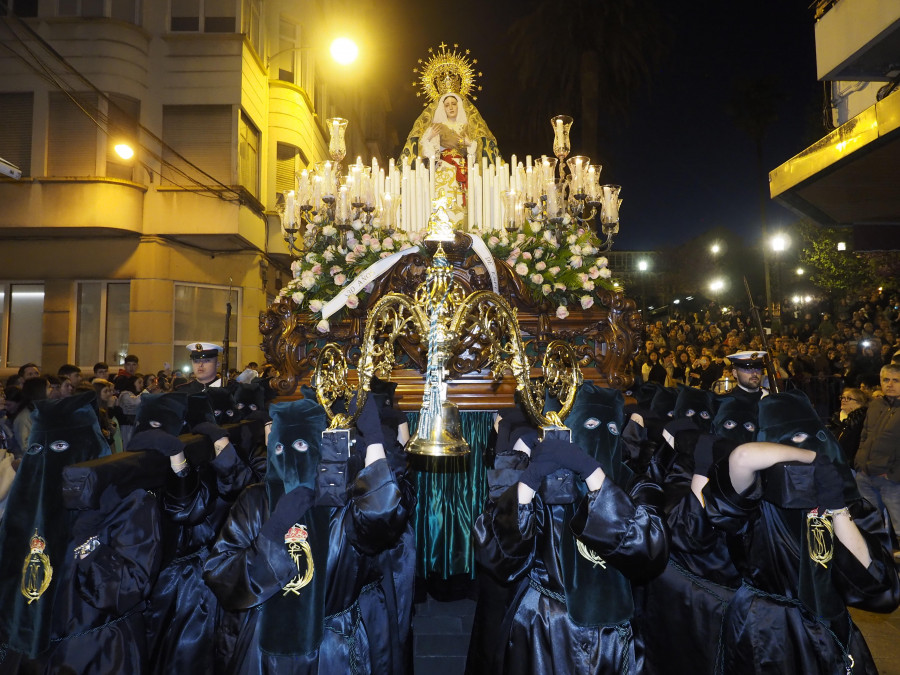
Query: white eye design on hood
x=729, y=424
x=300, y=445
x=279, y=448
x=591, y=423
x=822, y=435
x=230, y=413
x=799, y=437
x=35, y=449
x=155, y=424
x=671, y=413
x=704, y=414
x=217, y=413
x=239, y=406
x=749, y=426
x=689, y=412
x=59, y=446
x=252, y=406
x=613, y=428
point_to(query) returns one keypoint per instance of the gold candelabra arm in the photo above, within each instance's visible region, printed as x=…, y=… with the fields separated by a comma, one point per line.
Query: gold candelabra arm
x=393, y=316
x=490, y=317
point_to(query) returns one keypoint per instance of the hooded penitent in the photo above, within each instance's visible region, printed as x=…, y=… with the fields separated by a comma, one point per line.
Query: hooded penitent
x=737, y=419
x=161, y=411
x=222, y=402
x=696, y=405
x=249, y=400
x=35, y=535
x=292, y=622
x=596, y=595
x=789, y=419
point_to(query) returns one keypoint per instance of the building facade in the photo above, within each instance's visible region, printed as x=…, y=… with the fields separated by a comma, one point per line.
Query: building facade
x=221, y=101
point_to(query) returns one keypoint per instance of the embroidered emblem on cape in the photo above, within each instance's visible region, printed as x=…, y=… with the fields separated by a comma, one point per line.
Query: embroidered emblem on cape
x=820, y=537
x=613, y=428
x=588, y=554
x=37, y=572
x=298, y=548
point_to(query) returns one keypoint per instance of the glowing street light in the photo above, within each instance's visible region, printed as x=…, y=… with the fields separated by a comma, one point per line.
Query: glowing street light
x=344, y=50
x=715, y=249
x=800, y=271
x=643, y=265
x=716, y=285
x=779, y=243
x=124, y=150
x=842, y=246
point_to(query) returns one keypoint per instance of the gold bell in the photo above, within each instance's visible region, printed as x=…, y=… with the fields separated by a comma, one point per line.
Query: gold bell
x=441, y=435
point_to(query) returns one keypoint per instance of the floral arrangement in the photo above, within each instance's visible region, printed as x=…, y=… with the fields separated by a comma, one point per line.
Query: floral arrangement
x=563, y=268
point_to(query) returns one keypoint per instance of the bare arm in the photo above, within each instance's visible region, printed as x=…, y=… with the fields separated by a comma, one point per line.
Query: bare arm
x=745, y=460
x=850, y=536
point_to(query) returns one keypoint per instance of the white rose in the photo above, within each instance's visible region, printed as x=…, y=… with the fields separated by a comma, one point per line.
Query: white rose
x=575, y=249
x=521, y=269
x=540, y=266
x=323, y=326
x=315, y=306
x=329, y=231
x=353, y=302
x=562, y=312
x=298, y=297
x=546, y=288
x=587, y=302
x=536, y=278
x=605, y=273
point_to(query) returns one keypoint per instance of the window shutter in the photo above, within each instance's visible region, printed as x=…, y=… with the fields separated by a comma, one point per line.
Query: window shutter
x=285, y=168
x=202, y=134
x=16, y=111
x=72, y=138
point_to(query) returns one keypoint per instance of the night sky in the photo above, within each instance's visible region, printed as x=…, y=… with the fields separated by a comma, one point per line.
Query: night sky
x=684, y=164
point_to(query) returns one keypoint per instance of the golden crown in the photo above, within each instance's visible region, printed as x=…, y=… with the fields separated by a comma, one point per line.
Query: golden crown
x=447, y=70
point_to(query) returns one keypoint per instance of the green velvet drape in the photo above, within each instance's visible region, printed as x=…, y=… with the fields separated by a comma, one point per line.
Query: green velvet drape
x=451, y=493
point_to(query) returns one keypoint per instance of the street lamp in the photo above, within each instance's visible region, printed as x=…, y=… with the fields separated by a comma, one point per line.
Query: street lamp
x=344, y=50
x=643, y=266
x=800, y=271
x=779, y=244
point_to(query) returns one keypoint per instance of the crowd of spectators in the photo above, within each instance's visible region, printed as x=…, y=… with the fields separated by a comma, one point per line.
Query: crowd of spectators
x=818, y=351
x=118, y=395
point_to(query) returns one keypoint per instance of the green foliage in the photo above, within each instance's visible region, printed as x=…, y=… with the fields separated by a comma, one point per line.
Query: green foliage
x=833, y=270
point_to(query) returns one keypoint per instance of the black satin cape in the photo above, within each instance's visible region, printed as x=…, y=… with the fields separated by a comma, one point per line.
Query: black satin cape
x=526, y=546
x=245, y=570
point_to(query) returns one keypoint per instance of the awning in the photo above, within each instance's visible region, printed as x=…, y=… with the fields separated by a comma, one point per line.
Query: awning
x=852, y=175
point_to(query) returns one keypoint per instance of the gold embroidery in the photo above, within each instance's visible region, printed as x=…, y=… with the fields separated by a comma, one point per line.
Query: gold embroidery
x=820, y=537
x=298, y=546
x=37, y=572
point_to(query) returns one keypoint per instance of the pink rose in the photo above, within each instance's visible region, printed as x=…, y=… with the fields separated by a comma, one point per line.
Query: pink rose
x=562, y=312
x=340, y=279
x=353, y=302
x=587, y=302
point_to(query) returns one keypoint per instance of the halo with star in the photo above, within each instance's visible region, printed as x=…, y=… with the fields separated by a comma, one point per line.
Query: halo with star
x=446, y=70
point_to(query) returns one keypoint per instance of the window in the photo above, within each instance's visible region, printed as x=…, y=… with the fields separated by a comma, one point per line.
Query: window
x=201, y=134
x=101, y=321
x=16, y=111
x=121, y=10
x=204, y=16
x=288, y=58
x=248, y=155
x=23, y=8
x=72, y=136
x=200, y=317
x=21, y=323
x=286, y=167
x=253, y=24
x=320, y=100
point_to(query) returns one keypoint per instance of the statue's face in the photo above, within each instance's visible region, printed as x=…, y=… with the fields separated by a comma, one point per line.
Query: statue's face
x=451, y=107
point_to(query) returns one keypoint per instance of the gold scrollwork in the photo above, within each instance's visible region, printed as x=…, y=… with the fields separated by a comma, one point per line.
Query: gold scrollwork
x=820, y=537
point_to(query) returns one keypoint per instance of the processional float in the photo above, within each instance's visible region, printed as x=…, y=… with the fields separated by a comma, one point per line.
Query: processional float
x=450, y=269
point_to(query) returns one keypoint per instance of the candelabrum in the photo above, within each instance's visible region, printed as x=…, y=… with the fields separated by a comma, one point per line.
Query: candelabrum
x=325, y=196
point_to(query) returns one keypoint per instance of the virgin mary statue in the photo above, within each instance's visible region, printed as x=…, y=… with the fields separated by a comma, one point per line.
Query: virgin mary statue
x=450, y=129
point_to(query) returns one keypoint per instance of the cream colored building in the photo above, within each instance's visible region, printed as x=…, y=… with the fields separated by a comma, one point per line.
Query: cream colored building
x=849, y=177
x=222, y=101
